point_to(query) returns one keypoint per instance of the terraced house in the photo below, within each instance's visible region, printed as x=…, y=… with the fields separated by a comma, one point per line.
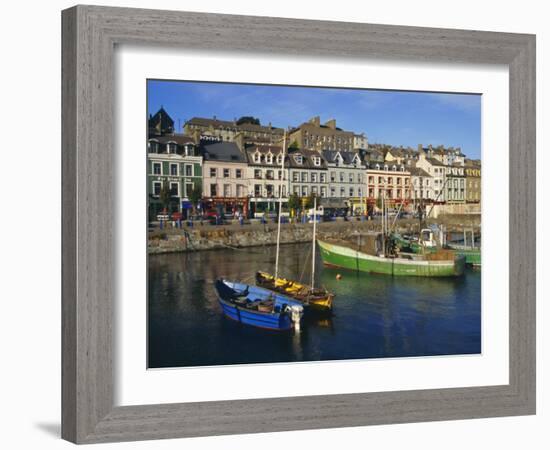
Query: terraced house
x=308, y=173
x=346, y=173
x=173, y=163
x=388, y=180
x=267, y=179
x=472, y=170
x=225, y=184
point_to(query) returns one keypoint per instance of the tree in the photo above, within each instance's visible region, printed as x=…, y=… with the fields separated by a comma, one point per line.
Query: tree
x=293, y=202
x=310, y=200
x=294, y=145
x=165, y=196
x=195, y=195
x=248, y=119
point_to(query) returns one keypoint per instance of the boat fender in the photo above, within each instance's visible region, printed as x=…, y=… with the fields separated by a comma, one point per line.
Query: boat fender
x=296, y=312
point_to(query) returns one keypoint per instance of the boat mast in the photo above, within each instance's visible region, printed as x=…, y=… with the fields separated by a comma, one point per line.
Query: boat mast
x=313, y=251
x=280, y=205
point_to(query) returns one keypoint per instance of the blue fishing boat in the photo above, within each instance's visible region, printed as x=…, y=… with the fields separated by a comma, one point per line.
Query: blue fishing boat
x=258, y=307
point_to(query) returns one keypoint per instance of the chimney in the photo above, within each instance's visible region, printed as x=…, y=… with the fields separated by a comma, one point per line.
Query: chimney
x=331, y=124
x=239, y=140
x=315, y=121
x=420, y=148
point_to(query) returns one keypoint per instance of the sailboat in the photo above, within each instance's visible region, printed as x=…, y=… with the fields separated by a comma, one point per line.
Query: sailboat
x=316, y=298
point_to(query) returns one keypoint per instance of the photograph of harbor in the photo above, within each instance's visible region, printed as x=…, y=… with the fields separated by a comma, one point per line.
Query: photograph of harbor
x=292, y=224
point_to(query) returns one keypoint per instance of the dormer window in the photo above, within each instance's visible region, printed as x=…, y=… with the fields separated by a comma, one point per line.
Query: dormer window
x=317, y=160
x=279, y=159
x=393, y=168
x=269, y=158
x=385, y=167
x=402, y=168
x=171, y=147
x=257, y=157
x=299, y=159
x=153, y=147
x=377, y=166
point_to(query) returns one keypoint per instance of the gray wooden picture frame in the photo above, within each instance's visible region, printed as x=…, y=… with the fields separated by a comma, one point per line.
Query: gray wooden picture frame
x=89, y=37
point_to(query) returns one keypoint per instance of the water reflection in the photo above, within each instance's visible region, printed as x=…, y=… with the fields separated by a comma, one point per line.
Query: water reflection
x=374, y=315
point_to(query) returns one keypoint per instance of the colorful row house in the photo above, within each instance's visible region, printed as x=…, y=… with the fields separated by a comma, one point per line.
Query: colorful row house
x=174, y=170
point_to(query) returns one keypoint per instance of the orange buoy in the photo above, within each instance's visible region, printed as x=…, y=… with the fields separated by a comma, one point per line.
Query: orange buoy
x=338, y=276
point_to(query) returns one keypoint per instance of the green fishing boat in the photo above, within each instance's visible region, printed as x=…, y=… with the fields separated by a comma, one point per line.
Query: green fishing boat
x=426, y=243
x=348, y=255
x=472, y=255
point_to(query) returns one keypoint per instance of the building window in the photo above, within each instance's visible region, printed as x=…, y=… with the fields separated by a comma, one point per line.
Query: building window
x=351, y=177
x=295, y=176
x=157, y=168
x=269, y=158
x=298, y=159
x=174, y=189
x=226, y=173
x=316, y=161
x=332, y=176
x=213, y=173
x=390, y=180
x=371, y=180
x=380, y=180
x=341, y=177
x=279, y=159
x=157, y=186
x=213, y=190
x=314, y=177
x=174, y=170
x=153, y=147
x=304, y=177
x=238, y=173
x=257, y=190
x=333, y=192
x=351, y=192
x=342, y=192
x=227, y=190
x=171, y=147
x=270, y=190
x=269, y=174
x=323, y=178
x=257, y=174
x=304, y=191
x=188, y=170
x=188, y=189
x=398, y=181
x=323, y=191
x=314, y=189
x=257, y=157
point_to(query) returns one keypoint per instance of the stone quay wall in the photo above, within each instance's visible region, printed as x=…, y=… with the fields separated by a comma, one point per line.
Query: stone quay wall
x=209, y=237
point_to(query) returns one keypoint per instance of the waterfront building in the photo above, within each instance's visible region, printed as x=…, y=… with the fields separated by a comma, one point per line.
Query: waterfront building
x=225, y=186
x=225, y=130
x=313, y=135
x=308, y=173
x=455, y=184
x=388, y=180
x=346, y=177
x=267, y=179
x=174, y=163
x=472, y=171
x=422, y=185
x=436, y=169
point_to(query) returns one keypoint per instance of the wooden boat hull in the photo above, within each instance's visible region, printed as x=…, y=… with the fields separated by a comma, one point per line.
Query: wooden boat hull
x=341, y=256
x=278, y=319
x=295, y=290
x=472, y=255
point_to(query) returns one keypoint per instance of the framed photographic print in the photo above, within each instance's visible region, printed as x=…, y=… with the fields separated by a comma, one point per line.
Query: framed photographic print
x=265, y=229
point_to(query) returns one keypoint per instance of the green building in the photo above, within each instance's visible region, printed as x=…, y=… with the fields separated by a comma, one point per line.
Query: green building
x=174, y=171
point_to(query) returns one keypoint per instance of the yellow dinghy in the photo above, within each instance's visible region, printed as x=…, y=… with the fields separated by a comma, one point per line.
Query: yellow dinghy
x=319, y=299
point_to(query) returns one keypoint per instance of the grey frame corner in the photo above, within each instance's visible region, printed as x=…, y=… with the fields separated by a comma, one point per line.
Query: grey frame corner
x=89, y=36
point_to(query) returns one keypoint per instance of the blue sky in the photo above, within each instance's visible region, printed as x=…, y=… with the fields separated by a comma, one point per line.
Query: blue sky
x=390, y=117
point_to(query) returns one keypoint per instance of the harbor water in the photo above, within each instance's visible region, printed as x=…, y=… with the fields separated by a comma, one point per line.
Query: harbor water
x=375, y=316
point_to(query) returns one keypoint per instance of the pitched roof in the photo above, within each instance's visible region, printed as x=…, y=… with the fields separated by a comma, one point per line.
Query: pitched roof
x=222, y=151
x=418, y=172
x=216, y=123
